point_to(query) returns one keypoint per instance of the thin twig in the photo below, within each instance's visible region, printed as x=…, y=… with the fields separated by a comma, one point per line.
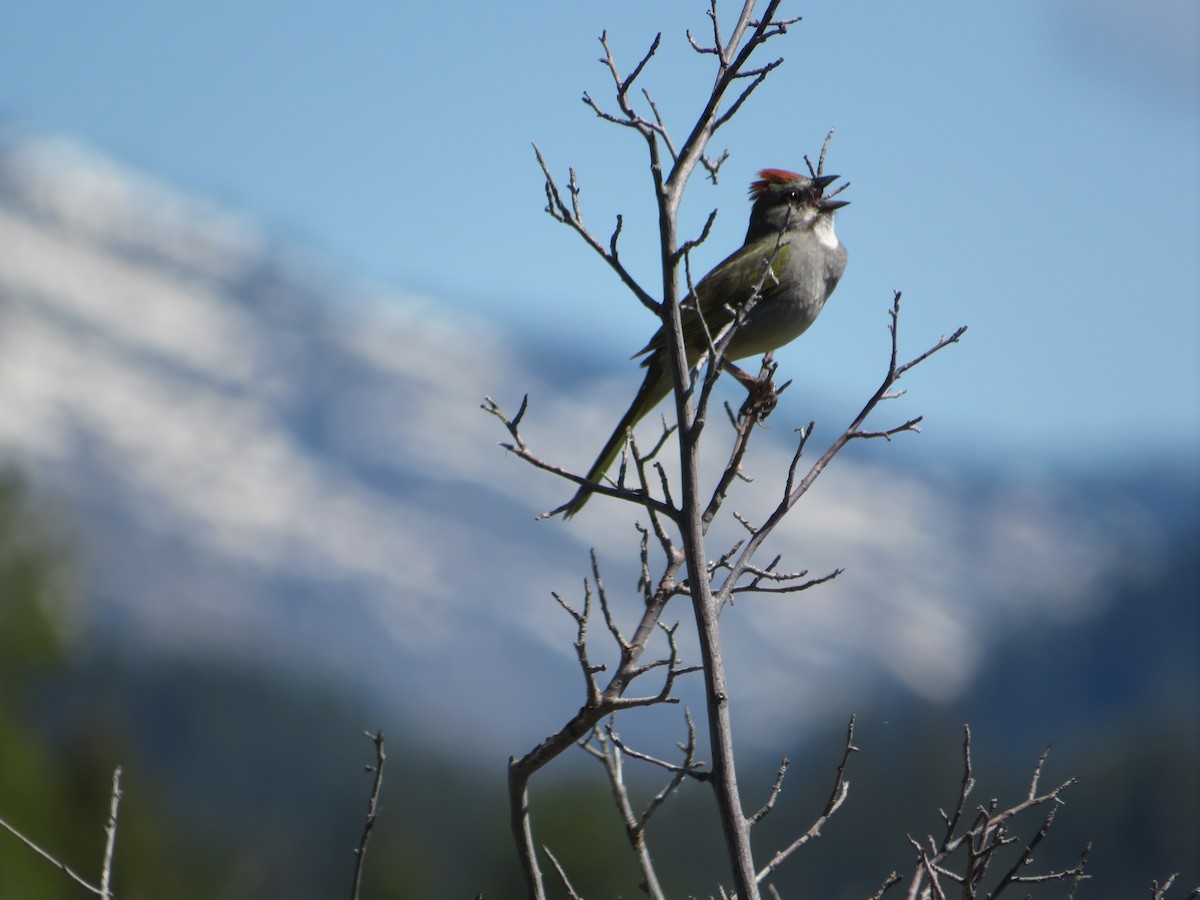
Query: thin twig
x=110, y=835
x=360, y=852
x=50, y=858
x=893, y=879
x=562, y=875
x=520, y=449
x=795, y=490
x=733, y=49
x=609, y=751
x=558, y=209
x=774, y=794
x=841, y=787
x=581, y=621
x=986, y=837
x=687, y=768
x=965, y=788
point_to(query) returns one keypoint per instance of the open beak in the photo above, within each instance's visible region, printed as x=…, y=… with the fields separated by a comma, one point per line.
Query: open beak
x=820, y=183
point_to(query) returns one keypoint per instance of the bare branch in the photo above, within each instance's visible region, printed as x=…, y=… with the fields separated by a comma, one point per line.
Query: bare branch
x=986, y=837
x=604, y=608
x=616, y=236
x=933, y=877
x=597, y=706
x=941, y=344
x=743, y=427
x=713, y=166
x=773, y=795
x=893, y=879
x=1075, y=873
x=674, y=670
x=1037, y=773
x=716, y=27
x=733, y=49
x=1025, y=857
x=1157, y=892
x=660, y=126
x=805, y=434
x=562, y=875
x=731, y=61
x=110, y=835
x=966, y=786
x=688, y=246
x=581, y=621
x=360, y=853
x=910, y=425
x=853, y=431
x=820, y=169
x=757, y=587
x=841, y=787
x=689, y=768
x=571, y=216
x=520, y=449
x=607, y=116
x=759, y=75
x=609, y=751
x=50, y=858
x=623, y=86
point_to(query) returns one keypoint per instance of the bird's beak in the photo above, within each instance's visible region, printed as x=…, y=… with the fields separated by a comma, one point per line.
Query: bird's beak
x=820, y=183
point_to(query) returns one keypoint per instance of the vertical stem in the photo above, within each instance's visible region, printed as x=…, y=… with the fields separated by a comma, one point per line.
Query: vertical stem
x=518, y=806
x=734, y=825
x=360, y=853
x=110, y=832
x=733, y=820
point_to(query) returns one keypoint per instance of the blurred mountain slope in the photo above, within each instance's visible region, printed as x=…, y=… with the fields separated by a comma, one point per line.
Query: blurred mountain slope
x=252, y=785
x=291, y=521
x=267, y=463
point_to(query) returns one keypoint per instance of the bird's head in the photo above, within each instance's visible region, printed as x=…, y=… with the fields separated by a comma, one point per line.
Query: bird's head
x=789, y=201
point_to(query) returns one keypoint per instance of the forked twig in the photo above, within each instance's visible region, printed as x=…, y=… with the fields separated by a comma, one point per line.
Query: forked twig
x=841, y=788
x=795, y=489
x=986, y=838
x=671, y=165
x=104, y=889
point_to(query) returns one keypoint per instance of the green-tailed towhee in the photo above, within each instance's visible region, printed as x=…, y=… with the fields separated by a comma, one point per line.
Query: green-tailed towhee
x=791, y=232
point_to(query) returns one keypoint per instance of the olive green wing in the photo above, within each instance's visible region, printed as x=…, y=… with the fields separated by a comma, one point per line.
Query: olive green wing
x=725, y=289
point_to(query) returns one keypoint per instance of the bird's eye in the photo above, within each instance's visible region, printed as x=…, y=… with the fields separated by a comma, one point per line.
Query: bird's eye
x=793, y=196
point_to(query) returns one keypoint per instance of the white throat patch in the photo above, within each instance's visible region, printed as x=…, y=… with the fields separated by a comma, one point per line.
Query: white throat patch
x=823, y=229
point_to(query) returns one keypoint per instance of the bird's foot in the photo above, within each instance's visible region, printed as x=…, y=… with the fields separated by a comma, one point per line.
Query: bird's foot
x=761, y=396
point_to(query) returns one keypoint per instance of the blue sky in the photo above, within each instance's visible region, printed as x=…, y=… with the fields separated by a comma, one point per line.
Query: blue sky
x=1028, y=169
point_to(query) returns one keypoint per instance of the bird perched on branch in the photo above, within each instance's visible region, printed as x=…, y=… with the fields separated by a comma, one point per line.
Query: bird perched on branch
x=789, y=265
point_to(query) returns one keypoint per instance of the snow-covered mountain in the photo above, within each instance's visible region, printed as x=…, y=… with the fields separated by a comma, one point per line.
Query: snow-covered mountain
x=262, y=461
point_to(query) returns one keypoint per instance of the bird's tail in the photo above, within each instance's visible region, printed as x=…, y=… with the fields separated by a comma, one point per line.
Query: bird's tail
x=655, y=386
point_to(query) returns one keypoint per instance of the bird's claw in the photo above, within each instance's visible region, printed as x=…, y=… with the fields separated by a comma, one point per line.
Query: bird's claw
x=761, y=397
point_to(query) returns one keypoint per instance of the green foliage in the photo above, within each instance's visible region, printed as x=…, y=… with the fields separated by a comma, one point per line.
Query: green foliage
x=30, y=586
x=33, y=586
x=56, y=792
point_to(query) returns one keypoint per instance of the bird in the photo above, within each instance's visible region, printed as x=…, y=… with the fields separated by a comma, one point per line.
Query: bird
x=791, y=260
